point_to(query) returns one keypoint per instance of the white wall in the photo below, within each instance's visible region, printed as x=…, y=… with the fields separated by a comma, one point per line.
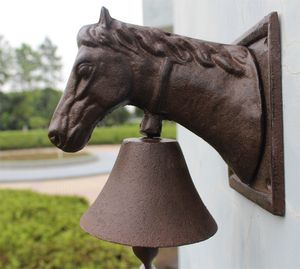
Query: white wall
x=248, y=236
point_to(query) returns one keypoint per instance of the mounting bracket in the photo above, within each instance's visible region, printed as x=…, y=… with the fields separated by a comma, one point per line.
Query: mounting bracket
x=267, y=189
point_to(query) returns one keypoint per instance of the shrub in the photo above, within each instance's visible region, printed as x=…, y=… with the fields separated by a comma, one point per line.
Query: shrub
x=116, y=134
x=37, y=122
x=42, y=232
x=23, y=139
x=102, y=135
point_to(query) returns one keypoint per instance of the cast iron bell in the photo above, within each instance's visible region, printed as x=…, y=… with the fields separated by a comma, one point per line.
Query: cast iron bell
x=149, y=201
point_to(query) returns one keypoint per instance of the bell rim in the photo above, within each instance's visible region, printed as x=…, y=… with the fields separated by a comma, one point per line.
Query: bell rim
x=211, y=233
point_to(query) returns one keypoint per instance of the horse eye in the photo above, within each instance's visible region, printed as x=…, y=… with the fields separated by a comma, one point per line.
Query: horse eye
x=84, y=70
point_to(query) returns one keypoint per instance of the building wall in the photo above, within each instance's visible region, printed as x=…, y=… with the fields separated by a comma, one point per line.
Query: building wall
x=248, y=236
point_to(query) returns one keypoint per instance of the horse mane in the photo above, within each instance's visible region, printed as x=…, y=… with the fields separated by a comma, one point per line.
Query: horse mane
x=128, y=38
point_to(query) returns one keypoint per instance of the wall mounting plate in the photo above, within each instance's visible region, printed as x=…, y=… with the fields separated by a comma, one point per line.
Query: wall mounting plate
x=267, y=188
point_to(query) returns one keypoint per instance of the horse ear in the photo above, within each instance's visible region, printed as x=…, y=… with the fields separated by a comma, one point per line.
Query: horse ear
x=105, y=18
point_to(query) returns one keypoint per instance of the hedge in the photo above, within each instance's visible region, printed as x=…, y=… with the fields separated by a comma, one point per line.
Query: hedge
x=42, y=232
x=101, y=135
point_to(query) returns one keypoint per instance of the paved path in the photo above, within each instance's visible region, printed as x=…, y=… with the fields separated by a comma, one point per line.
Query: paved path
x=101, y=162
x=88, y=187
x=85, y=186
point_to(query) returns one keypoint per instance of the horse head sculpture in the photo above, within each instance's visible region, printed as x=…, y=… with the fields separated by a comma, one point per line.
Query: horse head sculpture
x=212, y=89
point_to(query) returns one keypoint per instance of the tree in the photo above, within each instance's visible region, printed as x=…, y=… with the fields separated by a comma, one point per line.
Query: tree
x=117, y=117
x=6, y=57
x=139, y=113
x=29, y=109
x=5, y=111
x=50, y=64
x=40, y=68
x=45, y=102
x=27, y=68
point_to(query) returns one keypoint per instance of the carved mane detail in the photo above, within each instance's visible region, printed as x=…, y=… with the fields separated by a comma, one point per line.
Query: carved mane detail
x=128, y=38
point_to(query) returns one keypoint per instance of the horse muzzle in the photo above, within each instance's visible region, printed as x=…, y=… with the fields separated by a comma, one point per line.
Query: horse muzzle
x=56, y=138
x=72, y=141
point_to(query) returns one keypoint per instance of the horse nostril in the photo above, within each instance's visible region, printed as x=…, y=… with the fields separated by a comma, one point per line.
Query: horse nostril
x=54, y=137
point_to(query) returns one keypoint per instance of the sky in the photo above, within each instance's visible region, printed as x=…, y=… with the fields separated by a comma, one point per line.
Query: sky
x=31, y=21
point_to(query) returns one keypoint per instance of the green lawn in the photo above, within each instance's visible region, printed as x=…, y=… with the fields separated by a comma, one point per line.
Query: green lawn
x=42, y=232
x=102, y=135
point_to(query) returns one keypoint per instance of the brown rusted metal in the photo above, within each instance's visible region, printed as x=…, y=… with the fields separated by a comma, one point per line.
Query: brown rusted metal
x=267, y=186
x=146, y=255
x=149, y=199
x=151, y=125
x=212, y=89
x=230, y=95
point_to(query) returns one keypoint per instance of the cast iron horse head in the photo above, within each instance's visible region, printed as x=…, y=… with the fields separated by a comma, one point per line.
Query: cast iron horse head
x=212, y=89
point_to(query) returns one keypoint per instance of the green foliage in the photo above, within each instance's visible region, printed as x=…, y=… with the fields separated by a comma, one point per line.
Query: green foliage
x=24, y=139
x=37, y=122
x=27, y=67
x=116, y=134
x=139, y=113
x=6, y=57
x=102, y=135
x=42, y=232
x=50, y=67
x=118, y=116
x=31, y=109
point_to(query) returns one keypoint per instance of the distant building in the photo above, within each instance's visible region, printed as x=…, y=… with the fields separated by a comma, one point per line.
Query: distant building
x=158, y=13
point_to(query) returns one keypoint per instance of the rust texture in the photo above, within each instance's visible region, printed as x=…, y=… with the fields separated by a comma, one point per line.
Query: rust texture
x=149, y=199
x=267, y=186
x=212, y=89
x=230, y=95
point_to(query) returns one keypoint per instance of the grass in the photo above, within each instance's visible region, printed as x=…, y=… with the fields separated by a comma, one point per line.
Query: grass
x=42, y=232
x=101, y=135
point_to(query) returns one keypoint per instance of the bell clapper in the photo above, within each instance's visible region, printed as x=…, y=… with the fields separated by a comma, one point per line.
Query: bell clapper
x=146, y=255
x=143, y=267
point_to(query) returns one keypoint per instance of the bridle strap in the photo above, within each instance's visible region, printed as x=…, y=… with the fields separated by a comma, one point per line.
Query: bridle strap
x=160, y=93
